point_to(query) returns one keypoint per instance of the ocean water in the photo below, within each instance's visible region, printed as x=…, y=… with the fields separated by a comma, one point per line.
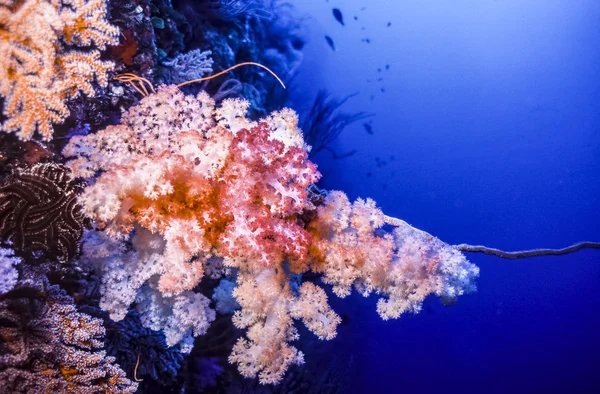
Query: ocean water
x=486, y=130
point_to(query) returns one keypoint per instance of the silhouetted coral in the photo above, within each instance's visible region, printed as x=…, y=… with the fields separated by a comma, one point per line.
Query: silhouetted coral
x=324, y=123
x=39, y=211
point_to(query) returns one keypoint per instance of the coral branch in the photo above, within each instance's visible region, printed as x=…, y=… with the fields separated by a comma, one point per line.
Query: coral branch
x=527, y=253
x=501, y=253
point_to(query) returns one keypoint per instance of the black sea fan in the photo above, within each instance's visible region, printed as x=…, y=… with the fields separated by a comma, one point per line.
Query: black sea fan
x=324, y=124
x=39, y=211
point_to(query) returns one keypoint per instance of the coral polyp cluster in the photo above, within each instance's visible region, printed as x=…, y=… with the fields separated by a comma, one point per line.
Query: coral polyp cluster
x=183, y=189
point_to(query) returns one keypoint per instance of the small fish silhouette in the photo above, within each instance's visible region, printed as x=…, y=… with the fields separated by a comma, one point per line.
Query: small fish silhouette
x=368, y=128
x=337, y=14
x=330, y=42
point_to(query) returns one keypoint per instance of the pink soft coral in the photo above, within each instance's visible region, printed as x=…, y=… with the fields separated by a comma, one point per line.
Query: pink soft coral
x=188, y=189
x=262, y=189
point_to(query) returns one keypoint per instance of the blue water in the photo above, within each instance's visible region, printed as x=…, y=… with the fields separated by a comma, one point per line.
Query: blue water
x=488, y=132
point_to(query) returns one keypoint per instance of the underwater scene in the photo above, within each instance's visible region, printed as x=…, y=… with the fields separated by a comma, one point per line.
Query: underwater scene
x=299, y=197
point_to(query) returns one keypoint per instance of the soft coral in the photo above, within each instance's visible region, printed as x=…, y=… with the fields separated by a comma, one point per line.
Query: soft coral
x=262, y=189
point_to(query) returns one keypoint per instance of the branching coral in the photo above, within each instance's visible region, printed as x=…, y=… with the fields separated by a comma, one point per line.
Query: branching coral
x=183, y=185
x=39, y=211
x=39, y=71
x=186, y=66
x=47, y=346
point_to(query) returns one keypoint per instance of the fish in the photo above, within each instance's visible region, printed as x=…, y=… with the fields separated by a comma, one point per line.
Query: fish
x=330, y=42
x=337, y=14
x=368, y=128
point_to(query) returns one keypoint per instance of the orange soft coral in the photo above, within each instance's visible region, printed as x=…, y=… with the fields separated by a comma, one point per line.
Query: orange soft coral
x=39, y=71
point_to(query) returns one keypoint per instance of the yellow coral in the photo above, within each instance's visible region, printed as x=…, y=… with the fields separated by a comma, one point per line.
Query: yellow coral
x=37, y=73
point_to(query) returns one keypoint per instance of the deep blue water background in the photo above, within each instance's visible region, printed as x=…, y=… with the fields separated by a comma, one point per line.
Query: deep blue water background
x=488, y=132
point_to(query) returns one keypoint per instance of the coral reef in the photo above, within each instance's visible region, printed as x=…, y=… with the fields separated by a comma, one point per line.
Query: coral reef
x=140, y=351
x=205, y=231
x=266, y=32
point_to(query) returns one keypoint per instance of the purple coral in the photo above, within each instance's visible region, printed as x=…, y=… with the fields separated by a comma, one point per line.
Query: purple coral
x=47, y=346
x=8, y=272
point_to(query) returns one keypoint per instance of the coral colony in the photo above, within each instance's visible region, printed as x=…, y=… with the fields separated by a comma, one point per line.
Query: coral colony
x=180, y=191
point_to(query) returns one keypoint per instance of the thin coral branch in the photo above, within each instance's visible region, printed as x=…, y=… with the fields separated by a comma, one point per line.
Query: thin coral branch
x=520, y=254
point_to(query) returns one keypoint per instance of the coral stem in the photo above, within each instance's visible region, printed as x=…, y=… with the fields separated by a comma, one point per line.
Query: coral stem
x=521, y=254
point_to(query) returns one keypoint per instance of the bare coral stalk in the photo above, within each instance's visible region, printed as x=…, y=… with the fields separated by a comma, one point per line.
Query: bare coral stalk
x=520, y=254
